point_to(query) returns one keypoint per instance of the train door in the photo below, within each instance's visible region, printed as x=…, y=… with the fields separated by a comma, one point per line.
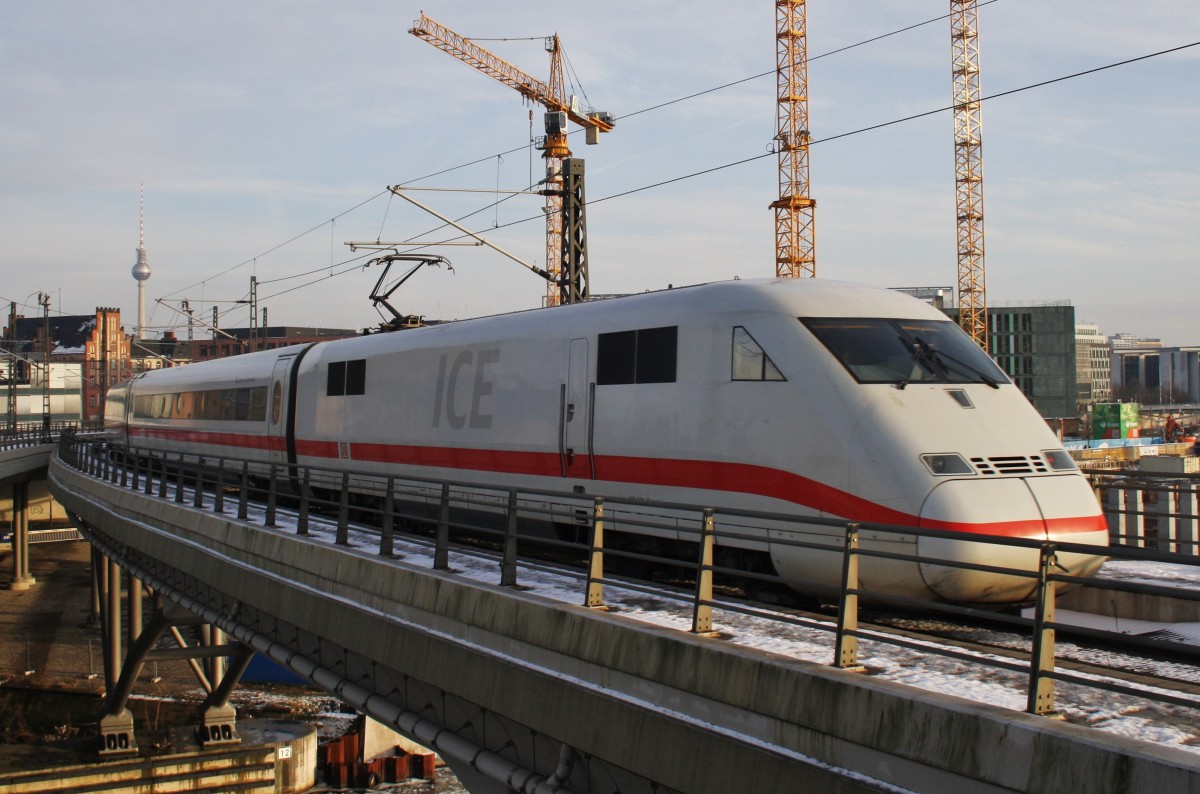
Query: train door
x=277, y=409
x=576, y=438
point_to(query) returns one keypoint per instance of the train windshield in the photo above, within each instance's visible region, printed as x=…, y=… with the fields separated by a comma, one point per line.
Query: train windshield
x=905, y=351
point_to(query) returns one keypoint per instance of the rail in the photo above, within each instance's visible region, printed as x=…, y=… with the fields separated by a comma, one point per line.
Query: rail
x=440, y=507
x=1151, y=511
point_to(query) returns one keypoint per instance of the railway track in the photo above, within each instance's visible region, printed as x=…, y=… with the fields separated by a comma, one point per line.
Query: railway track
x=1115, y=656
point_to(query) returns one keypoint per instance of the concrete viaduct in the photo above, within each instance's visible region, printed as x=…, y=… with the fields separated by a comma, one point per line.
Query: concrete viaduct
x=518, y=692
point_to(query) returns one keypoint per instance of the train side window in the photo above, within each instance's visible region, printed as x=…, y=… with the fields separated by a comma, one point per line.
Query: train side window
x=276, y=402
x=750, y=362
x=616, y=357
x=258, y=404
x=647, y=355
x=336, y=384
x=347, y=377
x=241, y=404
x=356, y=376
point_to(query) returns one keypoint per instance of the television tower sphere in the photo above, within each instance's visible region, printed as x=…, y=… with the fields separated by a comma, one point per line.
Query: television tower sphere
x=141, y=271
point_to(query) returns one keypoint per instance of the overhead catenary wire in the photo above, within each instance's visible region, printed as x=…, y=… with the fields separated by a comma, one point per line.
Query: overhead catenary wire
x=540, y=216
x=524, y=146
x=743, y=161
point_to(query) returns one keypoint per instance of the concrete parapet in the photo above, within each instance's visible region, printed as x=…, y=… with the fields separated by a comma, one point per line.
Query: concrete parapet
x=1123, y=605
x=657, y=701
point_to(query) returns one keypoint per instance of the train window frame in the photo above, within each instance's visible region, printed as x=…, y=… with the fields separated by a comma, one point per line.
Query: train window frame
x=640, y=356
x=752, y=357
x=903, y=351
x=335, y=379
x=356, y=376
x=346, y=378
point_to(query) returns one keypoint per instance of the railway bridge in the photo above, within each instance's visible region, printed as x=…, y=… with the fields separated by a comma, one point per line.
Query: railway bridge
x=24, y=456
x=519, y=692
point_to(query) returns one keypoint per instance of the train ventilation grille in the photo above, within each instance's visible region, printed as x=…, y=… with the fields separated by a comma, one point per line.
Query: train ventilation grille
x=1011, y=464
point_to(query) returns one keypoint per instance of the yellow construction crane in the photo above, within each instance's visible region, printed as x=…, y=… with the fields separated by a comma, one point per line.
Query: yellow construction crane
x=795, y=233
x=968, y=170
x=559, y=109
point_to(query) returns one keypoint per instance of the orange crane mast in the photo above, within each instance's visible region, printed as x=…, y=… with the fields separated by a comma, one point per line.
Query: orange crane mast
x=968, y=170
x=559, y=109
x=795, y=224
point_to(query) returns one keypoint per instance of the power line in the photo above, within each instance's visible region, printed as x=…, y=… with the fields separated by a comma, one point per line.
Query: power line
x=522, y=148
x=694, y=174
x=872, y=127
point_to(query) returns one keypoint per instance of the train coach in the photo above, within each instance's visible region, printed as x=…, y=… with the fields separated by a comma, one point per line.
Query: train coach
x=800, y=396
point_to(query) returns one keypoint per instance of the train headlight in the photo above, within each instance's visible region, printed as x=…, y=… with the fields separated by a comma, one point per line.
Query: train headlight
x=946, y=464
x=1059, y=459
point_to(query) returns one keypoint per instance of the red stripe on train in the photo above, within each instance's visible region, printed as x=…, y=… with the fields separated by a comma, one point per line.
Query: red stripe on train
x=666, y=472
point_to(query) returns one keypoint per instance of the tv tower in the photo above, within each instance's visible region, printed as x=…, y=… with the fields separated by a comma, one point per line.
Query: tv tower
x=141, y=270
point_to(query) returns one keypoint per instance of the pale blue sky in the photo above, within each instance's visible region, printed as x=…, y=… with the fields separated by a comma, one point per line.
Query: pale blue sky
x=250, y=123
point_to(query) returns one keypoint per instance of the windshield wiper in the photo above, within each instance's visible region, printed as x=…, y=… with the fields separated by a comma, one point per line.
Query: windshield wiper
x=921, y=359
x=941, y=358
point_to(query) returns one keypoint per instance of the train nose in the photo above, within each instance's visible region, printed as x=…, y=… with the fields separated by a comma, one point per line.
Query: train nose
x=1037, y=508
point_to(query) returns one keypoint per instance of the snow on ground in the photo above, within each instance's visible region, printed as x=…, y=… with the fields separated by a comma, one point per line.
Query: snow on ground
x=1117, y=714
x=1159, y=573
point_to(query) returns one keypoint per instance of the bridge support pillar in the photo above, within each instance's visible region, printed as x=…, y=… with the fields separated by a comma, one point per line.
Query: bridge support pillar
x=116, y=734
x=218, y=720
x=22, y=580
x=218, y=726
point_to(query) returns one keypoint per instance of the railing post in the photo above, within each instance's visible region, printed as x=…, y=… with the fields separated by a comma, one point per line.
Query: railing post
x=508, y=566
x=846, y=646
x=179, y=480
x=124, y=468
x=1041, y=657
x=1168, y=521
x=1136, y=529
x=387, y=531
x=702, y=605
x=302, y=518
x=149, y=485
x=198, y=496
x=219, y=487
x=594, y=597
x=441, y=550
x=1186, y=511
x=162, y=477
x=134, y=480
x=243, y=491
x=343, y=525
x=269, y=520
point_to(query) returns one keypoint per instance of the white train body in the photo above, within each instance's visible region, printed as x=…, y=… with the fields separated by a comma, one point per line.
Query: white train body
x=807, y=397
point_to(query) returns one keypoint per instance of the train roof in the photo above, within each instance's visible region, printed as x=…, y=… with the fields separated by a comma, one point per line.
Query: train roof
x=678, y=305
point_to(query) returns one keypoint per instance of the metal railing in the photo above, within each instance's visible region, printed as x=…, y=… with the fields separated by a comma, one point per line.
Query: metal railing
x=439, y=509
x=1151, y=511
x=32, y=434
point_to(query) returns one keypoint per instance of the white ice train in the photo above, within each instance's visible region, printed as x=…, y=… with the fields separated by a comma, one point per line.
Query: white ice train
x=808, y=397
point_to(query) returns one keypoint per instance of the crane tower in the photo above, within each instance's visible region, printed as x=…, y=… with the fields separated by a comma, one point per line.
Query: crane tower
x=968, y=170
x=795, y=234
x=559, y=108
